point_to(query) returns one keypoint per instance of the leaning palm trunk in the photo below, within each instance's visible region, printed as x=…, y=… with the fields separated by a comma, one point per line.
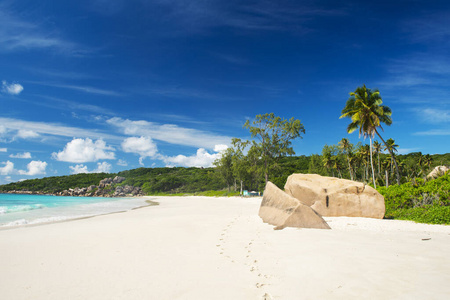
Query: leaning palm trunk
x=371, y=164
x=392, y=156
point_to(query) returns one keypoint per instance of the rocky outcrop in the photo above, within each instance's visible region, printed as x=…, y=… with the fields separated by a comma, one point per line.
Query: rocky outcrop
x=282, y=210
x=106, y=188
x=438, y=171
x=104, y=183
x=335, y=197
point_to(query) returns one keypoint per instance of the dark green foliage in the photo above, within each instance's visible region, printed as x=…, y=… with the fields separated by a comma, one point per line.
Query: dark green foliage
x=57, y=183
x=173, y=180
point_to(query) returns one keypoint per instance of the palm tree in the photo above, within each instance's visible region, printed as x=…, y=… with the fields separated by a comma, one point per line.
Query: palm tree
x=362, y=153
x=346, y=147
x=386, y=163
x=391, y=147
x=377, y=147
x=366, y=112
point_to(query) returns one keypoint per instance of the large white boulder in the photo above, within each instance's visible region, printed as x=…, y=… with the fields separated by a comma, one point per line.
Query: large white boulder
x=333, y=197
x=282, y=210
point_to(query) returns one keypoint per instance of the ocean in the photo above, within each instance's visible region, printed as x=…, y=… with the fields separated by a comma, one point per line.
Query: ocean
x=17, y=210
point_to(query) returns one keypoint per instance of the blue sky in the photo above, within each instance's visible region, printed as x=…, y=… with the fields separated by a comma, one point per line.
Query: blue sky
x=111, y=85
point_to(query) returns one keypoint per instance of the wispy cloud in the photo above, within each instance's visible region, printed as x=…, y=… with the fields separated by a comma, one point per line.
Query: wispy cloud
x=72, y=105
x=14, y=125
x=432, y=115
x=81, y=88
x=187, y=17
x=434, y=132
x=169, y=133
x=19, y=34
x=58, y=73
x=434, y=27
x=185, y=94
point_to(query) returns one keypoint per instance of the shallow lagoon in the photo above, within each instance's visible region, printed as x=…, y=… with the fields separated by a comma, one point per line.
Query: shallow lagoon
x=18, y=209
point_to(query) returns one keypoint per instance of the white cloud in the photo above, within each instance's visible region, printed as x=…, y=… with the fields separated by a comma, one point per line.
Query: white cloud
x=7, y=169
x=27, y=134
x=434, y=132
x=122, y=163
x=12, y=88
x=79, y=169
x=102, y=167
x=169, y=133
x=3, y=150
x=84, y=150
x=201, y=159
x=35, y=167
x=220, y=148
x=144, y=146
x=21, y=155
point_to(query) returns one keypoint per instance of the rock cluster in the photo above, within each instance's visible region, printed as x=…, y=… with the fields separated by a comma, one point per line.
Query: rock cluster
x=308, y=197
x=438, y=171
x=105, y=188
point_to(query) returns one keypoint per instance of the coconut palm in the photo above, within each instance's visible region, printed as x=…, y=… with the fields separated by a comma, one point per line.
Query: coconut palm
x=377, y=147
x=362, y=153
x=391, y=147
x=346, y=147
x=366, y=112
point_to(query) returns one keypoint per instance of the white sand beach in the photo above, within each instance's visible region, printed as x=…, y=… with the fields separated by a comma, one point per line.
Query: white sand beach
x=218, y=248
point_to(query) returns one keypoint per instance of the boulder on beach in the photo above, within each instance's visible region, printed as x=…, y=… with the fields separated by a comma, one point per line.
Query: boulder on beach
x=282, y=210
x=334, y=197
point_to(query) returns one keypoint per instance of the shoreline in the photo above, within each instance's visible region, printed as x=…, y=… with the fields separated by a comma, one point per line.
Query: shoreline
x=150, y=203
x=47, y=214
x=218, y=248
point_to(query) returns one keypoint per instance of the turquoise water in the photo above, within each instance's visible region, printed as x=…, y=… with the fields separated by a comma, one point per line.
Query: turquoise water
x=16, y=210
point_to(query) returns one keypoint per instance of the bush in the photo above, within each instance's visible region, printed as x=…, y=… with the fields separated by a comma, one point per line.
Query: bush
x=419, y=200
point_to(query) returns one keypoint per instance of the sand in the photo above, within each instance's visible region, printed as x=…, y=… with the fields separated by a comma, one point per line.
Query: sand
x=218, y=248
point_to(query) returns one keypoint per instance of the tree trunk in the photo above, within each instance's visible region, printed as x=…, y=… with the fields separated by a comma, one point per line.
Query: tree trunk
x=392, y=156
x=371, y=164
x=241, y=188
x=378, y=155
x=349, y=168
x=387, y=178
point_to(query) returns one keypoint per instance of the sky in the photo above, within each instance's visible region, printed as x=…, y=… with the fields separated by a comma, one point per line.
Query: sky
x=113, y=85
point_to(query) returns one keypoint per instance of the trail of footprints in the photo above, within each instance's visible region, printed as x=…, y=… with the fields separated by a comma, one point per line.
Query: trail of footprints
x=246, y=258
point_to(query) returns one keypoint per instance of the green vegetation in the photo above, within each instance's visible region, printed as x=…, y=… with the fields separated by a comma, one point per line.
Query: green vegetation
x=275, y=137
x=366, y=112
x=249, y=164
x=419, y=200
x=56, y=184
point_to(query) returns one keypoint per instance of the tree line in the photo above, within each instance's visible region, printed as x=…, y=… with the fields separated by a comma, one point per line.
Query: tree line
x=249, y=164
